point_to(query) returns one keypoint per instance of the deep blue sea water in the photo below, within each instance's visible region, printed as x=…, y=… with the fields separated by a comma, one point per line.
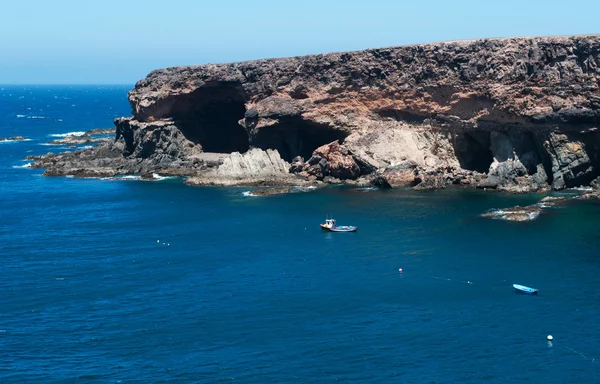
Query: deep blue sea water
x=156, y=282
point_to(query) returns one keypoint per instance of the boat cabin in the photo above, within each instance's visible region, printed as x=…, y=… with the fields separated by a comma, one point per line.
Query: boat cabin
x=329, y=223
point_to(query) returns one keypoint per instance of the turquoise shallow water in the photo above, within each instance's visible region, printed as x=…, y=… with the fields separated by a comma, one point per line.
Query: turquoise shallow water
x=156, y=282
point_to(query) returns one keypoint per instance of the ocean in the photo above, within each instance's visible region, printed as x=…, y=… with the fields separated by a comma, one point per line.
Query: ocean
x=131, y=281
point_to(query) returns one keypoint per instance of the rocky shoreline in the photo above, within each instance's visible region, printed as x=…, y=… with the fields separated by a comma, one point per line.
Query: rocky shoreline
x=516, y=115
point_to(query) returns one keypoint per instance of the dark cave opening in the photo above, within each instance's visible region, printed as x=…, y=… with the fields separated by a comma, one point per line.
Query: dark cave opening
x=473, y=151
x=210, y=115
x=296, y=137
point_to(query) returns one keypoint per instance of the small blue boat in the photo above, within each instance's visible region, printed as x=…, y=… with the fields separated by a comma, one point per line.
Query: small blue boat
x=331, y=227
x=526, y=290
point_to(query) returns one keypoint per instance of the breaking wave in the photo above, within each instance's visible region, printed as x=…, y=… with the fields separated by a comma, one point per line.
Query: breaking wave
x=303, y=189
x=158, y=177
x=28, y=165
x=583, y=189
x=13, y=141
x=79, y=133
x=366, y=189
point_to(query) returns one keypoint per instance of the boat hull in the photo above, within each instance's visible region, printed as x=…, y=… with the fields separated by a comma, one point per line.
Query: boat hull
x=525, y=290
x=345, y=228
x=341, y=228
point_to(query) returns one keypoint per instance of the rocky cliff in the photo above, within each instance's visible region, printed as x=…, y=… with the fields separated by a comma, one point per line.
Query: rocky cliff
x=518, y=114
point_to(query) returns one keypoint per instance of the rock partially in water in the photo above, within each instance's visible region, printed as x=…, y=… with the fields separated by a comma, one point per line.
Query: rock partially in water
x=590, y=195
x=79, y=139
x=529, y=212
x=517, y=213
x=13, y=138
x=269, y=191
x=551, y=201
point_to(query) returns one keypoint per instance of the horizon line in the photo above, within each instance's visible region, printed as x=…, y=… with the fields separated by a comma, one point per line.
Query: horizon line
x=64, y=84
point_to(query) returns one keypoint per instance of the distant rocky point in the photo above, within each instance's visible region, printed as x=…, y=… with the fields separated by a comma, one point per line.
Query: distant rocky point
x=517, y=115
x=14, y=138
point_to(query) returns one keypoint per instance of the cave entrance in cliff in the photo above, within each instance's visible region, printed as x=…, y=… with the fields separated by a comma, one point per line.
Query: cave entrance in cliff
x=210, y=115
x=473, y=151
x=293, y=137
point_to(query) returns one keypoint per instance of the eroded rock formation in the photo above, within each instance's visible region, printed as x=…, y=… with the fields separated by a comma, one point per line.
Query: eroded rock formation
x=516, y=114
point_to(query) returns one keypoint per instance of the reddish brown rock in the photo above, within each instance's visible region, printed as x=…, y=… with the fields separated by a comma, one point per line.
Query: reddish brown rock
x=341, y=163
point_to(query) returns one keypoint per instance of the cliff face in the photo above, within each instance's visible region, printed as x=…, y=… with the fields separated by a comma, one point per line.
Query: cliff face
x=518, y=114
x=525, y=107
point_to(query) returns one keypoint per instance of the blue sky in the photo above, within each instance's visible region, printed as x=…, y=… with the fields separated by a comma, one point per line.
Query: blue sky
x=120, y=41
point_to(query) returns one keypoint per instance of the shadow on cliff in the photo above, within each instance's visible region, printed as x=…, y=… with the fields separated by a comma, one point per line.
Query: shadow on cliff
x=209, y=116
x=294, y=136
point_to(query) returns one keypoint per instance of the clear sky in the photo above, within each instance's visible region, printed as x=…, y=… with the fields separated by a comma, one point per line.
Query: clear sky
x=120, y=41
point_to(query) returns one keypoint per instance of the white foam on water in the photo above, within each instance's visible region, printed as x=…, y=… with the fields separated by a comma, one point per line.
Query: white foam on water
x=78, y=133
x=13, y=141
x=158, y=177
x=123, y=177
x=30, y=117
x=303, y=189
x=248, y=194
x=583, y=189
x=28, y=165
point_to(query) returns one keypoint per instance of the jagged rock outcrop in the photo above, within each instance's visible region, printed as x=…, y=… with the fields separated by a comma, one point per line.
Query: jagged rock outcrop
x=517, y=114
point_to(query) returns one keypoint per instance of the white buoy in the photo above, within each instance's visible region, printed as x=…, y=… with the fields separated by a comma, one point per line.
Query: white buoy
x=400, y=270
x=549, y=337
